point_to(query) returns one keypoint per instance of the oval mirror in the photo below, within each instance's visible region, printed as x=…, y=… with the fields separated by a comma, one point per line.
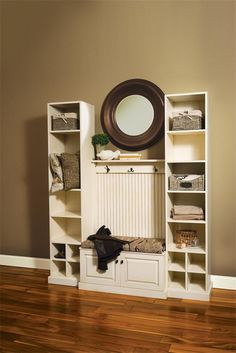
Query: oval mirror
x=132, y=114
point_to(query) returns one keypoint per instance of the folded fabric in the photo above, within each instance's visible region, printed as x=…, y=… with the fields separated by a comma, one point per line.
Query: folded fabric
x=188, y=216
x=56, y=170
x=187, y=210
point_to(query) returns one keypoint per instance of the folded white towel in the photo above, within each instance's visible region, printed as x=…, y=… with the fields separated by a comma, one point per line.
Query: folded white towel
x=188, y=217
x=187, y=210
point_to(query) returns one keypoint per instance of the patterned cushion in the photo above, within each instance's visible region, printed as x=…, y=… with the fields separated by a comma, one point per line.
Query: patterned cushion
x=56, y=170
x=146, y=245
x=71, y=170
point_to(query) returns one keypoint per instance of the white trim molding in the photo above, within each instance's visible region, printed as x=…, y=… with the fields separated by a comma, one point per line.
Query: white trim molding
x=24, y=261
x=224, y=282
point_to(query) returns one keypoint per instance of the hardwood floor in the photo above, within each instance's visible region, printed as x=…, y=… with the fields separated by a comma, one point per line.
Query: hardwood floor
x=41, y=318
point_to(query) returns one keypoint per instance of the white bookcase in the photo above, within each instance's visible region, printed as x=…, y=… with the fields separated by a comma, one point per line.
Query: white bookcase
x=68, y=210
x=186, y=153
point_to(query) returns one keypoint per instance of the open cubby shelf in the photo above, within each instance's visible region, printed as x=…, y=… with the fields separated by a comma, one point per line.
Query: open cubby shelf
x=66, y=206
x=186, y=153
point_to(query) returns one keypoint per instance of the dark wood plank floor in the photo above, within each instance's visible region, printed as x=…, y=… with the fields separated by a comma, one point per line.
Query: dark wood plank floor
x=41, y=318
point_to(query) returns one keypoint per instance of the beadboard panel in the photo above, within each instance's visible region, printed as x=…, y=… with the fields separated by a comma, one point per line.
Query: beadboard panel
x=131, y=204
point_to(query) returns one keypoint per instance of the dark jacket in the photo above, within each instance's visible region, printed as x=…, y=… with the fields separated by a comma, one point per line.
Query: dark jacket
x=107, y=247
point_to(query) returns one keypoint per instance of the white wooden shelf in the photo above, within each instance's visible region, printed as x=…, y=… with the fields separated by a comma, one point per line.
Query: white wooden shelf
x=177, y=267
x=186, y=132
x=125, y=161
x=197, y=287
x=65, y=239
x=196, y=268
x=68, y=132
x=185, y=192
x=187, y=221
x=66, y=191
x=73, y=259
x=58, y=259
x=185, y=161
x=66, y=214
x=195, y=250
x=177, y=285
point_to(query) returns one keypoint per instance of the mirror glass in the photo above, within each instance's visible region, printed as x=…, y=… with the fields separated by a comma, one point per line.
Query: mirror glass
x=134, y=115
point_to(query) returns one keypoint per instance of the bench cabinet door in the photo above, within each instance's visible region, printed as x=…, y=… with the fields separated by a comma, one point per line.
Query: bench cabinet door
x=89, y=272
x=144, y=271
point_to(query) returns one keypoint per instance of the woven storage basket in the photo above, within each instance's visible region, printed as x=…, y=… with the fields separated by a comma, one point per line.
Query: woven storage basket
x=65, y=121
x=186, y=238
x=178, y=182
x=191, y=120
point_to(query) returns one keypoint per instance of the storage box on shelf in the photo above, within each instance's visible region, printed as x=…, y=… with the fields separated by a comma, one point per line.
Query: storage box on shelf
x=187, y=120
x=186, y=238
x=68, y=209
x=186, y=154
x=198, y=229
x=65, y=121
x=186, y=182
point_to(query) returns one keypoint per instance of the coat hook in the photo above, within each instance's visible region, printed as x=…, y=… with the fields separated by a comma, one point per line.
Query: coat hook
x=130, y=170
x=107, y=169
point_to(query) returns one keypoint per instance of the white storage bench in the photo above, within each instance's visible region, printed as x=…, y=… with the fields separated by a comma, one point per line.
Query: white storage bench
x=132, y=273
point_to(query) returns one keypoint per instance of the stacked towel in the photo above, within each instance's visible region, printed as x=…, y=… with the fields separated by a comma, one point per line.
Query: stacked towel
x=187, y=212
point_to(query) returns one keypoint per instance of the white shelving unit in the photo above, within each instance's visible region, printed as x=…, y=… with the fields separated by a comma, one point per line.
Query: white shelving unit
x=68, y=222
x=186, y=153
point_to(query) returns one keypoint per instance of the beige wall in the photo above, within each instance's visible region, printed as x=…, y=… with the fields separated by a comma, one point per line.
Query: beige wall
x=69, y=50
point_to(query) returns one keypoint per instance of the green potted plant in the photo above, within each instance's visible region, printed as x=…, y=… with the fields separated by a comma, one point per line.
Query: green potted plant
x=99, y=140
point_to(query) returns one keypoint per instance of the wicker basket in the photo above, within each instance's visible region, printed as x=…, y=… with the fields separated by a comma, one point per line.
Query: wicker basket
x=181, y=182
x=187, y=120
x=186, y=238
x=65, y=121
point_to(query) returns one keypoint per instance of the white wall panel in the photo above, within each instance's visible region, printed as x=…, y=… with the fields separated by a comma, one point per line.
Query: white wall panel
x=131, y=204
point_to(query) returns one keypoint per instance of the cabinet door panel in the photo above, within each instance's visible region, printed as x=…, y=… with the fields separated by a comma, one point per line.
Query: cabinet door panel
x=90, y=273
x=144, y=271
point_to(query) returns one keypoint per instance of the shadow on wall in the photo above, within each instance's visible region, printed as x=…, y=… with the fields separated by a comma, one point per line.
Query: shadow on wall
x=37, y=187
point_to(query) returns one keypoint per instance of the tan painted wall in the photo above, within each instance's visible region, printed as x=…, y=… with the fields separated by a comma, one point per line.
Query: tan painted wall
x=68, y=50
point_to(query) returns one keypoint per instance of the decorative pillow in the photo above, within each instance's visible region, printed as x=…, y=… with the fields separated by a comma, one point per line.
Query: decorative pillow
x=71, y=170
x=56, y=170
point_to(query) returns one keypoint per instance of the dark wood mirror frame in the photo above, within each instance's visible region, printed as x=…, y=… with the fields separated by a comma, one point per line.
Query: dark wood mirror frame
x=108, y=114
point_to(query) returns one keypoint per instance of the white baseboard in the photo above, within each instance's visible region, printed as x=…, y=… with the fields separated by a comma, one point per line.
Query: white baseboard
x=223, y=282
x=24, y=261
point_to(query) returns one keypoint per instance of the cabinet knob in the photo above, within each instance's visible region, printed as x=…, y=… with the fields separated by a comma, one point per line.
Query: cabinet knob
x=121, y=262
x=116, y=262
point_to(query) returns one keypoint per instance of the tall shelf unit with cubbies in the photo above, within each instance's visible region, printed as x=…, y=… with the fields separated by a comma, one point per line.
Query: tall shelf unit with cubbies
x=68, y=210
x=186, y=152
